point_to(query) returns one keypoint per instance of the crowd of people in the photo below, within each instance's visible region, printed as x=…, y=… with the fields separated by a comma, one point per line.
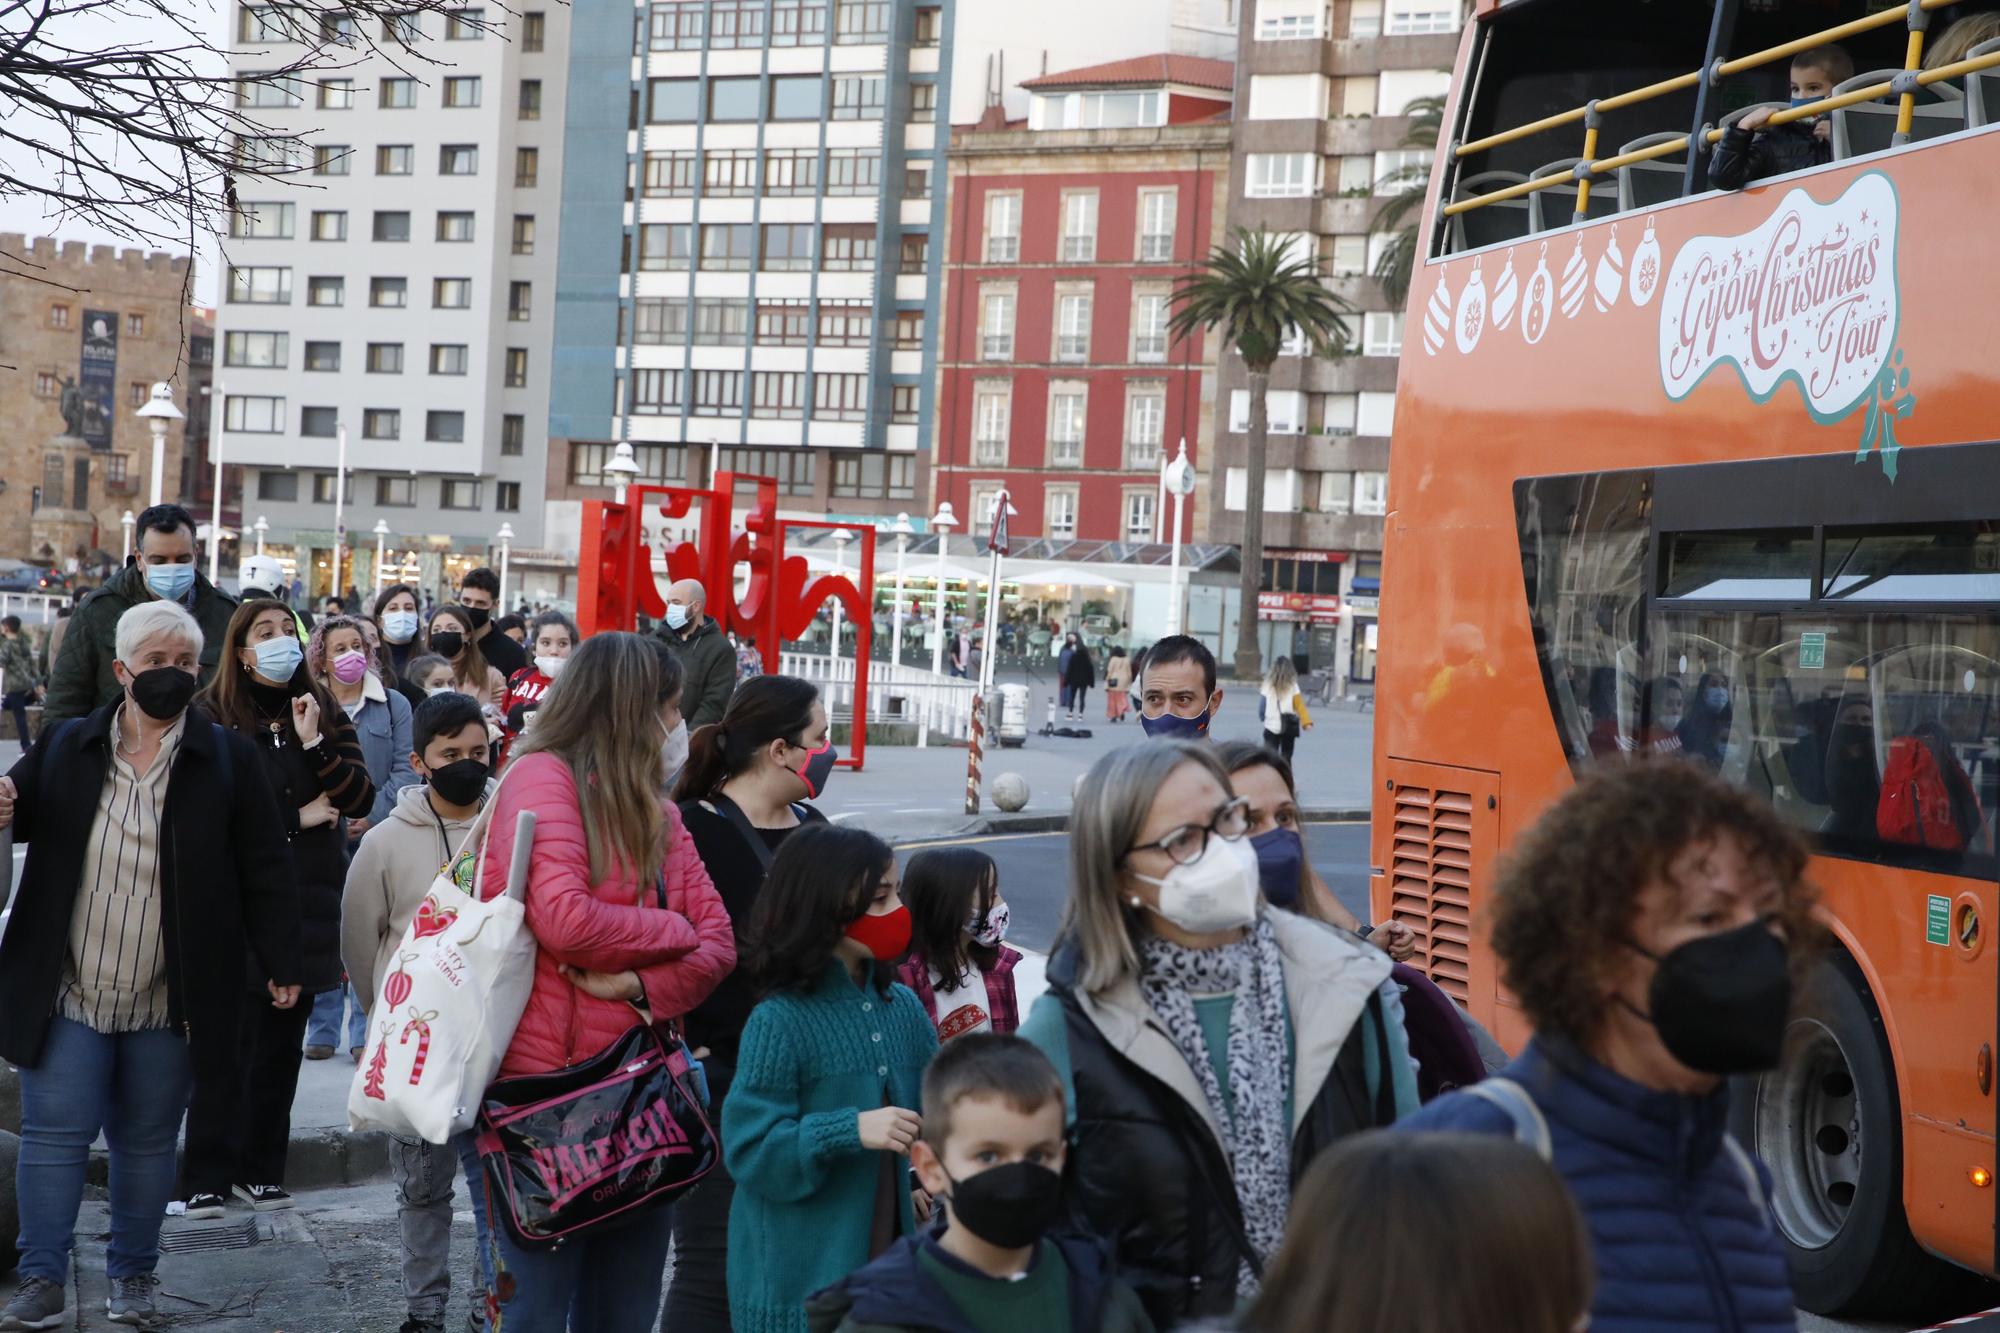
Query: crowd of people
x=1230, y=1109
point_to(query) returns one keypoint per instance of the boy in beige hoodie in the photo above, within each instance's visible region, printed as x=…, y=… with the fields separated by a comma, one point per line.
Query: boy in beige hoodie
x=392, y=872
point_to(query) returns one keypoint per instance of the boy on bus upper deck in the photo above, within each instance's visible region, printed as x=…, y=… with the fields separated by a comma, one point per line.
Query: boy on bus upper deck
x=1749, y=151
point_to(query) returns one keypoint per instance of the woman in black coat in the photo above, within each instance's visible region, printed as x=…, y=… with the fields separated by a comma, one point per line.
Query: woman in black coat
x=1078, y=675
x=309, y=754
x=122, y=973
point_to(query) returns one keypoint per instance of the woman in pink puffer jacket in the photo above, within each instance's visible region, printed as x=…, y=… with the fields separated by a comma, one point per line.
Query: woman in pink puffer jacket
x=604, y=848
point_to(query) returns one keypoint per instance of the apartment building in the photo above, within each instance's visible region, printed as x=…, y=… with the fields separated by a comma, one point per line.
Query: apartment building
x=405, y=296
x=1066, y=233
x=1323, y=90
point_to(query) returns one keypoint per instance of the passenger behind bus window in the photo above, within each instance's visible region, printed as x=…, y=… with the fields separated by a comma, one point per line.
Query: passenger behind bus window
x=1927, y=799
x=1704, y=730
x=1666, y=708
x=1957, y=41
x=1749, y=151
x=1853, y=783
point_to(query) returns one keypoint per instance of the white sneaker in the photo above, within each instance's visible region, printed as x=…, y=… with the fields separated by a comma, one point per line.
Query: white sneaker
x=265, y=1198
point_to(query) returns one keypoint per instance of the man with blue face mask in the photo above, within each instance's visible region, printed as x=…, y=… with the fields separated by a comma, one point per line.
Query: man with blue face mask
x=164, y=568
x=708, y=663
x=1177, y=693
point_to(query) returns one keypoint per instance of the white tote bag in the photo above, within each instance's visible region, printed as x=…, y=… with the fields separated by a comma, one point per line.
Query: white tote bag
x=448, y=1006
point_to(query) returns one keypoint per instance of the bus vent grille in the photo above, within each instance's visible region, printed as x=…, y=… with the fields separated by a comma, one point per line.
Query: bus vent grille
x=1431, y=882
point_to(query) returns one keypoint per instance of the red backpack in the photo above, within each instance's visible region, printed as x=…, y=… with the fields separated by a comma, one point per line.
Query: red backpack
x=1915, y=807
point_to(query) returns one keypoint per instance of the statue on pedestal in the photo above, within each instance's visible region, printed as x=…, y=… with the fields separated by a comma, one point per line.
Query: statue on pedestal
x=72, y=407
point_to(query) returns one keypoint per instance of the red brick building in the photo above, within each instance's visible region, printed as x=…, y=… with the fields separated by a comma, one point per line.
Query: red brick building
x=1065, y=237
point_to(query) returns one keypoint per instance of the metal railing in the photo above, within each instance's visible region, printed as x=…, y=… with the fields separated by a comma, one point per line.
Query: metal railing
x=939, y=705
x=1916, y=15
x=24, y=603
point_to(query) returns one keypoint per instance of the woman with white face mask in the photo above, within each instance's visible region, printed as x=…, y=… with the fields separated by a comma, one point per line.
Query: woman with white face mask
x=402, y=637
x=554, y=638
x=1214, y=1045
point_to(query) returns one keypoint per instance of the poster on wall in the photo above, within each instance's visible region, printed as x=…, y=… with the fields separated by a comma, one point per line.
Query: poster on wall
x=98, y=381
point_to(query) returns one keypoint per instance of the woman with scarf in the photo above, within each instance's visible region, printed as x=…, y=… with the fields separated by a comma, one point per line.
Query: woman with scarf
x=1210, y=1046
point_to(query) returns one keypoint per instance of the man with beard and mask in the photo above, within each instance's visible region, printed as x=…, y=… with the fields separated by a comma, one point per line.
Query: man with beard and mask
x=708, y=663
x=992, y=1153
x=392, y=873
x=1651, y=923
x=479, y=594
x=124, y=965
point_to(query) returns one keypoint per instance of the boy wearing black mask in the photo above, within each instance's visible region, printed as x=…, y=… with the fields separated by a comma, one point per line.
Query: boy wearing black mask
x=992, y=1156
x=387, y=883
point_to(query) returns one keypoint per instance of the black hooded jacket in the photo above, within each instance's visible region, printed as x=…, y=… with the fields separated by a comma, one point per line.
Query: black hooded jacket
x=895, y=1294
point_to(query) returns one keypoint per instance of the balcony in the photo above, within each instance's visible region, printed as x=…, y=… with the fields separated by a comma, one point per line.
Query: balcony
x=1307, y=530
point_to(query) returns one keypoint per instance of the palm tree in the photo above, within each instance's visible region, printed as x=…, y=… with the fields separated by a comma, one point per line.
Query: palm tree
x=1255, y=294
x=1406, y=186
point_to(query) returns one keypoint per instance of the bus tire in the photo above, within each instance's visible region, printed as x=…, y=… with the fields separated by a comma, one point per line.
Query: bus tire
x=1828, y=1124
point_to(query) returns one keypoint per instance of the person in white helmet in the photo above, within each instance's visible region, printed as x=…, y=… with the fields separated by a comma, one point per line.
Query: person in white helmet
x=263, y=576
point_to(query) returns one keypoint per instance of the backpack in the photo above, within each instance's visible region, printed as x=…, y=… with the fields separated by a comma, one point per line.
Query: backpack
x=1916, y=804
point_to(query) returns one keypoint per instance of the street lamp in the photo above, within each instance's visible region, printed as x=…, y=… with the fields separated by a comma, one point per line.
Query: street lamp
x=215, y=505
x=942, y=522
x=263, y=526
x=381, y=553
x=1178, y=477
x=157, y=412
x=841, y=537
x=506, y=536
x=339, y=509
x=903, y=532
x=623, y=467
x=126, y=522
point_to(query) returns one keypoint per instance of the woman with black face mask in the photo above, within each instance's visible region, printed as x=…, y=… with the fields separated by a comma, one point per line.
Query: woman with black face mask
x=1651, y=924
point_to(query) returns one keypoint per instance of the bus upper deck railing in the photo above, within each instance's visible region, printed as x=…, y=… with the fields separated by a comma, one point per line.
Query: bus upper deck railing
x=1915, y=14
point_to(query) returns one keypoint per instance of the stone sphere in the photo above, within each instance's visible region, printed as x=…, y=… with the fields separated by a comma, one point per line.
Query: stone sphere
x=1010, y=791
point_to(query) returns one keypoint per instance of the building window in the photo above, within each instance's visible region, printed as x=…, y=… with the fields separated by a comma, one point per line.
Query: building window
x=1139, y=514
x=396, y=492
x=778, y=394
x=47, y=385
x=1371, y=493
x=798, y=22
x=903, y=401
x=527, y=167
x=734, y=100
x=389, y=293
x=1350, y=256
x=857, y=97
x=787, y=247
x=269, y=90
x=874, y=475
x=929, y=28
x=450, y=358
x=1066, y=407
x=797, y=97
x=991, y=410
x=658, y=320
x=853, y=171
x=996, y=327
x=1284, y=411
x=658, y=463
x=1288, y=97
x=458, y=159
x=253, y=415
x=395, y=159
x=507, y=497
x=326, y=291
x=444, y=427
x=385, y=358
x=241, y=280
x=860, y=22
x=264, y=351
x=329, y=224
x=1375, y=414
x=259, y=24
x=261, y=222
x=675, y=26
x=1408, y=17
x=1145, y=427
x=458, y=493
x=1096, y=111
x=909, y=331
x=524, y=233
x=916, y=255
x=729, y=174
x=1294, y=20
x=717, y=392
x=1401, y=171
x=1073, y=326
x=1281, y=175
x=320, y=356
x=1149, y=326
x=1003, y=228
x=1079, y=226
x=517, y=368
x=397, y=95
x=657, y=391
x=729, y=247
x=247, y=286
x=280, y=486
x=392, y=226
x=381, y=423
x=849, y=247
x=840, y=397
x=403, y=29
x=135, y=393
x=520, y=301
x=534, y=31
x=454, y=226
x=1336, y=492
x=266, y=153
x=793, y=468
x=1156, y=226
x=664, y=246
x=513, y=435
x=331, y=159
x=117, y=469
x=323, y=486
x=783, y=324
x=673, y=101
x=1060, y=502
x=721, y=322
x=791, y=171
x=336, y=94
x=464, y=25
x=529, y=104
x=451, y=293
x=917, y=180
x=670, y=175
x=846, y=325
x=1382, y=334
x=923, y=101
x=1364, y=19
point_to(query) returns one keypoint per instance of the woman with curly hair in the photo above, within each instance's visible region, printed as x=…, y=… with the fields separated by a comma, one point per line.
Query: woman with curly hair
x=1652, y=924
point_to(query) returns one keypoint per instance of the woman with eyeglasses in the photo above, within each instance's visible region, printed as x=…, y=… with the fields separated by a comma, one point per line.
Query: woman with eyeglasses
x=1210, y=1046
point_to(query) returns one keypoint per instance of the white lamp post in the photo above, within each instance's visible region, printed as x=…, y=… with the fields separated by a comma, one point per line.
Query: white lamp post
x=339, y=508
x=1179, y=480
x=215, y=508
x=381, y=552
x=987, y=656
x=506, y=536
x=841, y=537
x=263, y=526
x=126, y=521
x=903, y=532
x=157, y=412
x=623, y=467
x=942, y=522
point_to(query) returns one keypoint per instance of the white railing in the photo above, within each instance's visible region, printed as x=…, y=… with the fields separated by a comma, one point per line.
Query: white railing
x=896, y=693
x=24, y=605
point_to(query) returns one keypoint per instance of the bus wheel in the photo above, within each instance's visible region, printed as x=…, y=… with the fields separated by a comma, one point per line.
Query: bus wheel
x=1827, y=1123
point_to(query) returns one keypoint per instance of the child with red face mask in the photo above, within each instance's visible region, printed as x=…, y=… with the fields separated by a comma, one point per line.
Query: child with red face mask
x=818, y=1125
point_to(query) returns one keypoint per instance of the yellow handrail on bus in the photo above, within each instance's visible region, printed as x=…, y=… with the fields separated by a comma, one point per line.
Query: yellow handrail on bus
x=1590, y=112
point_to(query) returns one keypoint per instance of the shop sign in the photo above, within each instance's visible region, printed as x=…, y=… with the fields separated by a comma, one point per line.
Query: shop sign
x=1315, y=608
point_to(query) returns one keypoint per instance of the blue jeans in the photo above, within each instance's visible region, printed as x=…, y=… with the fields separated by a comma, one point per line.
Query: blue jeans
x=482, y=1238
x=323, y=1028
x=134, y=1087
x=602, y=1282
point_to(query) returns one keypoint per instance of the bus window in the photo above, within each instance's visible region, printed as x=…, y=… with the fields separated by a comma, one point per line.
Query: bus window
x=1738, y=566
x=1958, y=563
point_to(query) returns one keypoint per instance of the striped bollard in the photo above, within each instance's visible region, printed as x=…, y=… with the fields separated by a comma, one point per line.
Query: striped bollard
x=972, y=755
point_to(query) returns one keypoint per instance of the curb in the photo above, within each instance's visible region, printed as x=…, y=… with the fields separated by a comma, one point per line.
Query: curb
x=316, y=1159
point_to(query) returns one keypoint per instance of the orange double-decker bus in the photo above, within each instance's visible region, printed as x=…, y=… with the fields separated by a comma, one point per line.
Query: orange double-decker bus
x=1718, y=473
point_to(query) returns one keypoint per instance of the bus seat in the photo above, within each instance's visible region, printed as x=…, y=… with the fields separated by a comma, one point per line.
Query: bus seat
x=1556, y=206
x=1868, y=127
x=1982, y=90
x=1493, y=224
x=1644, y=184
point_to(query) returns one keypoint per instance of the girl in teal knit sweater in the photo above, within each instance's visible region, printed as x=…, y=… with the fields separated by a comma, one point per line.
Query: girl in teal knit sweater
x=818, y=1124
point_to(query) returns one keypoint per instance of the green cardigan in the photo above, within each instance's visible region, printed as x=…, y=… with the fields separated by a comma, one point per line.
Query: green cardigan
x=811, y=1061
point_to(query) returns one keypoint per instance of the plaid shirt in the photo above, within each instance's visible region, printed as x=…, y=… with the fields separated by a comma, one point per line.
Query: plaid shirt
x=1001, y=1006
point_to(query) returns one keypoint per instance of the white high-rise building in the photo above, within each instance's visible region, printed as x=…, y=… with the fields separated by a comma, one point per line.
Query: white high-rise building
x=402, y=287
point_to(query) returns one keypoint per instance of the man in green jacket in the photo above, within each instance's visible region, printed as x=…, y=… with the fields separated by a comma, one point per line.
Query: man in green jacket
x=708, y=663
x=81, y=679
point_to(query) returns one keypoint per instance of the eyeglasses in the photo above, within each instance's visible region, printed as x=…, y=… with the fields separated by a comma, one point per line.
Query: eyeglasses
x=1185, y=844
